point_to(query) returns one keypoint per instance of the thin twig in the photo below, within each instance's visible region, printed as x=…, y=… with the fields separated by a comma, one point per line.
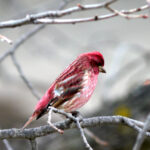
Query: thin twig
x=29, y=19
x=7, y=145
x=76, y=120
x=96, y=138
x=20, y=41
x=5, y=39
x=87, y=145
x=141, y=135
x=40, y=18
x=123, y=14
x=23, y=77
x=51, y=124
x=11, y=52
x=94, y=18
x=33, y=144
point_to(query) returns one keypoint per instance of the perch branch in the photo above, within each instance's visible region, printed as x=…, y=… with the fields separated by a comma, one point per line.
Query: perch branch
x=86, y=122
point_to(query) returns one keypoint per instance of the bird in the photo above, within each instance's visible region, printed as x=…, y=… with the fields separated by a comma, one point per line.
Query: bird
x=73, y=87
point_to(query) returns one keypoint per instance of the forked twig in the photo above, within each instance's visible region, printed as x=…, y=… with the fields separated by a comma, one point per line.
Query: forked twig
x=51, y=124
x=141, y=136
x=75, y=119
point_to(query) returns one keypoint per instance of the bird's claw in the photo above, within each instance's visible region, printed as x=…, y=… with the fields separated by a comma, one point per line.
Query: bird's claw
x=60, y=131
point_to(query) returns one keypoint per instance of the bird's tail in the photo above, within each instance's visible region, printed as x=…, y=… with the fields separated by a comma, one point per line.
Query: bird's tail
x=33, y=117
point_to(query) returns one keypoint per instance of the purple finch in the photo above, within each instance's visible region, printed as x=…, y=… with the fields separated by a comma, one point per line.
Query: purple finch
x=73, y=88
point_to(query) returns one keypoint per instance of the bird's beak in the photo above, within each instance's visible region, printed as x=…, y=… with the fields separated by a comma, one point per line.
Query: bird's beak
x=101, y=69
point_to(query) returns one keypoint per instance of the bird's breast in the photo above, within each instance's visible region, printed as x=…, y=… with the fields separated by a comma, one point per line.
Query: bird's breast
x=88, y=85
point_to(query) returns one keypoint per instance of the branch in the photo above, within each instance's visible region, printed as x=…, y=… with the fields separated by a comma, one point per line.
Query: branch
x=33, y=133
x=5, y=39
x=73, y=118
x=33, y=144
x=125, y=14
x=96, y=138
x=87, y=145
x=94, y=18
x=11, y=52
x=29, y=19
x=20, y=41
x=7, y=145
x=23, y=77
x=48, y=17
x=141, y=135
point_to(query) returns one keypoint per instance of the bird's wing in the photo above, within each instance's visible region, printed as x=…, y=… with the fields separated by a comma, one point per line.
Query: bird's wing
x=66, y=89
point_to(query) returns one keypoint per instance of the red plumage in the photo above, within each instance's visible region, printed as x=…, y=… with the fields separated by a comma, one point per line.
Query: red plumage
x=73, y=88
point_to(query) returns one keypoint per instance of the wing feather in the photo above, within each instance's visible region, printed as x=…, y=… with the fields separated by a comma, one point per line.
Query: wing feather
x=67, y=89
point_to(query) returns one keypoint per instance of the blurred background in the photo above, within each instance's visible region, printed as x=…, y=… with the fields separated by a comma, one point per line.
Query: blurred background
x=124, y=90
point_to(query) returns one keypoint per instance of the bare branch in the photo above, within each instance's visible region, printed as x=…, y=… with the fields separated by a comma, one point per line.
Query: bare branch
x=141, y=135
x=33, y=144
x=122, y=14
x=23, y=77
x=87, y=145
x=20, y=41
x=57, y=13
x=75, y=119
x=11, y=52
x=4, y=38
x=95, y=18
x=51, y=124
x=86, y=122
x=97, y=139
x=7, y=145
x=48, y=16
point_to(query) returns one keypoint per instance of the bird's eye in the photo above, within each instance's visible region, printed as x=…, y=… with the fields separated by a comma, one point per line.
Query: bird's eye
x=99, y=64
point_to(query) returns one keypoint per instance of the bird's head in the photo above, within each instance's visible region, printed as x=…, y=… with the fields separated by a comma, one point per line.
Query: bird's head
x=96, y=60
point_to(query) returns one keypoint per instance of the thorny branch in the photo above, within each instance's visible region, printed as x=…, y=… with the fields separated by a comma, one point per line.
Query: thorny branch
x=48, y=17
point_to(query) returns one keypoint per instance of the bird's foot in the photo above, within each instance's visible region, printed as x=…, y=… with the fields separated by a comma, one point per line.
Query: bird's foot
x=51, y=124
x=75, y=113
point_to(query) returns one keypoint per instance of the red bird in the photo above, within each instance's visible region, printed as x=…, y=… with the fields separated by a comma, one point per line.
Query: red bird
x=73, y=88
